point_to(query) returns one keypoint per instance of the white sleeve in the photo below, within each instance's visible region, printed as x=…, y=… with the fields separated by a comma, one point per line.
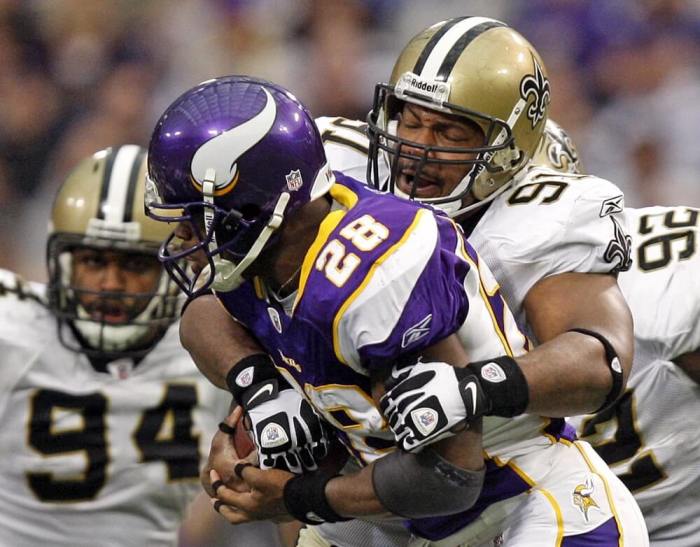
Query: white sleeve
x=346, y=145
x=21, y=310
x=549, y=224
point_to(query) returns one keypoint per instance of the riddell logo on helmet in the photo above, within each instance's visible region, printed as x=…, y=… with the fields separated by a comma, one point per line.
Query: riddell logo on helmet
x=437, y=92
x=423, y=86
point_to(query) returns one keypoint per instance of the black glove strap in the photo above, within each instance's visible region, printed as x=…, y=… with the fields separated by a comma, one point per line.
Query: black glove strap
x=250, y=371
x=503, y=383
x=305, y=498
x=613, y=364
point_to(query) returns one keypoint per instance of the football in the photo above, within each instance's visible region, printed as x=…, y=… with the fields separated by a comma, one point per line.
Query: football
x=242, y=439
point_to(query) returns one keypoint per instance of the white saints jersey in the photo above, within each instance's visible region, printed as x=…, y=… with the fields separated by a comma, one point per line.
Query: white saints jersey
x=550, y=223
x=95, y=458
x=645, y=437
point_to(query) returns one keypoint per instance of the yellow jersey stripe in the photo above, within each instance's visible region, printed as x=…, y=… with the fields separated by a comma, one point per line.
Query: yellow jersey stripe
x=611, y=501
x=327, y=226
x=482, y=290
x=557, y=511
x=343, y=195
x=347, y=198
x=343, y=308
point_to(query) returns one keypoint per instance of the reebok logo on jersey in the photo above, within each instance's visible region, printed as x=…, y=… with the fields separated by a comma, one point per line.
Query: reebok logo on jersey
x=417, y=331
x=492, y=372
x=273, y=435
x=612, y=206
x=425, y=420
x=245, y=377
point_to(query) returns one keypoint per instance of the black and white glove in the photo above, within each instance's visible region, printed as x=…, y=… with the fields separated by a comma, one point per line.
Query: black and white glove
x=427, y=401
x=288, y=433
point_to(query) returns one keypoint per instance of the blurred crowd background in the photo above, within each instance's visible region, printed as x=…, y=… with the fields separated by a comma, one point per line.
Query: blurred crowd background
x=76, y=76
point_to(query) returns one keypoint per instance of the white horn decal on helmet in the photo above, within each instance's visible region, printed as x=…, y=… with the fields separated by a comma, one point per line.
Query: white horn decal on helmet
x=222, y=152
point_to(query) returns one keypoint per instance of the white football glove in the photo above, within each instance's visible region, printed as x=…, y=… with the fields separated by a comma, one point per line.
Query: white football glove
x=426, y=401
x=287, y=431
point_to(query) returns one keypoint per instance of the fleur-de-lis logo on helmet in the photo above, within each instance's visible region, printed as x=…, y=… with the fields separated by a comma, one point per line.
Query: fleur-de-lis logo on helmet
x=536, y=85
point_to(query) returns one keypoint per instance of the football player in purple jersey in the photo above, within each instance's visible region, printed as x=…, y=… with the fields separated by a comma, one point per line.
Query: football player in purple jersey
x=344, y=288
x=248, y=225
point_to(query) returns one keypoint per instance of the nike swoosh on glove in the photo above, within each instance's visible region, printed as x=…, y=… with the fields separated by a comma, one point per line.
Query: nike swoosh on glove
x=425, y=402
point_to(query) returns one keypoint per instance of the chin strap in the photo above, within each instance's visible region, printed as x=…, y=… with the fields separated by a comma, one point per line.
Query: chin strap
x=229, y=275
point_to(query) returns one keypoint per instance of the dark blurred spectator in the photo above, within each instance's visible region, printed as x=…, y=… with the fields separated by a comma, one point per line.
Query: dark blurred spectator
x=32, y=111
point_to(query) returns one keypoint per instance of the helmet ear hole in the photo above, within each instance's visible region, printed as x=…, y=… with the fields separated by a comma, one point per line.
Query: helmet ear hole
x=250, y=211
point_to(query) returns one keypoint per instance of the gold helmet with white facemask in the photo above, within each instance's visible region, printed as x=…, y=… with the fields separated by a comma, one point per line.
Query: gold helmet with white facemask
x=100, y=206
x=480, y=70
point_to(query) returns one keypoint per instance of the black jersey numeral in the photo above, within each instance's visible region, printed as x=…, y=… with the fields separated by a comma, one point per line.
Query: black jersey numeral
x=89, y=438
x=164, y=434
x=657, y=251
x=549, y=191
x=625, y=444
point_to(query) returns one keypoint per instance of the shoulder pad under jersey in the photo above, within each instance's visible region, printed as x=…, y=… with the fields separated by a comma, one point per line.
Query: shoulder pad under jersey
x=384, y=277
x=551, y=223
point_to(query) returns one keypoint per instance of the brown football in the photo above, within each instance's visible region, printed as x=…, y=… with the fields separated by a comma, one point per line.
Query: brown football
x=242, y=440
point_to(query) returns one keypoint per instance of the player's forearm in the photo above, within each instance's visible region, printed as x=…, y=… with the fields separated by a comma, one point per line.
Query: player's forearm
x=570, y=372
x=578, y=387
x=355, y=495
x=213, y=339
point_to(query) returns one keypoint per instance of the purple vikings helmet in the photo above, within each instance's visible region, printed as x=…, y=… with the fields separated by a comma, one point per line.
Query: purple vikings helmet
x=234, y=156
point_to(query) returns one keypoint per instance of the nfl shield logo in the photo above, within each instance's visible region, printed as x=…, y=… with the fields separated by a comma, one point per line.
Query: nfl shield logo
x=425, y=420
x=294, y=181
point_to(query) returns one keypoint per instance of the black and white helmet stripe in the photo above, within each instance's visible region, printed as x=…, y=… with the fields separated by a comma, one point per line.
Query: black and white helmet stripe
x=442, y=51
x=119, y=182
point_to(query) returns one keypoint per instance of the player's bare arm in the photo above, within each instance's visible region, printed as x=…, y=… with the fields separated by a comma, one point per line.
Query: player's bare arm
x=554, y=306
x=214, y=360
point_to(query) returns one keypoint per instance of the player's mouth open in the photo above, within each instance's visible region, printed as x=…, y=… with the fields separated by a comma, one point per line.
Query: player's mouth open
x=107, y=313
x=425, y=186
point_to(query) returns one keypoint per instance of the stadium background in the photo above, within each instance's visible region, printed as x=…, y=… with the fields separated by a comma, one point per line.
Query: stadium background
x=78, y=76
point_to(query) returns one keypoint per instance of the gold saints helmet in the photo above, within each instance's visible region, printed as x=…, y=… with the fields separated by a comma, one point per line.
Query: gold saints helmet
x=557, y=150
x=100, y=206
x=477, y=68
